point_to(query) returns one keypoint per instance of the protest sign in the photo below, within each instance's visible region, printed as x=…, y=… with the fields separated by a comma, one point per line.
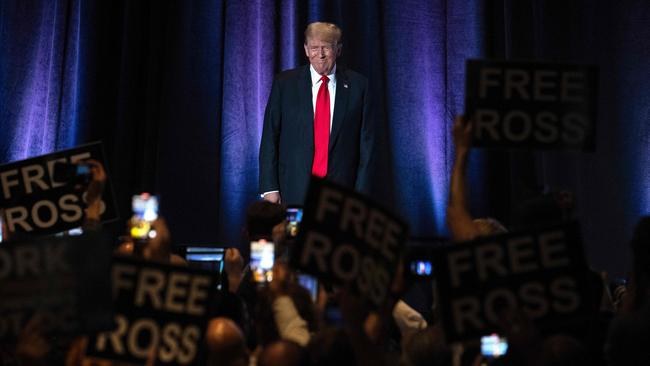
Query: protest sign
x=159, y=308
x=541, y=272
x=36, y=203
x=531, y=105
x=64, y=281
x=346, y=238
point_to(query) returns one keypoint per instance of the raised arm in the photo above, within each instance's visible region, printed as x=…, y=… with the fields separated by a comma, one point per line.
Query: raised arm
x=459, y=220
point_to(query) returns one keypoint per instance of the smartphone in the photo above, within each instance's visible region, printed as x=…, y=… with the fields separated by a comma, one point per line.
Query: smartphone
x=209, y=258
x=145, y=212
x=418, y=258
x=76, y=231
x=71, y=173
x=294, y=217
x=493, y=346
x=421, y=268
x=310, y=283
x=262, y=259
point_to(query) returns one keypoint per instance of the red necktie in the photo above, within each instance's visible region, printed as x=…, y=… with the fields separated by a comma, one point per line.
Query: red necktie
x=321, y=129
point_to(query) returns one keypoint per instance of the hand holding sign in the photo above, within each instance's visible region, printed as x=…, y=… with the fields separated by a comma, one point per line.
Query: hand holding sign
x=37, y=202
x=95, y=190
x=347, y=239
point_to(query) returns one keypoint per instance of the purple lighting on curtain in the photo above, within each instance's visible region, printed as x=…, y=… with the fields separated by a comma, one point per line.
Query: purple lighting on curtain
x=248, y=72
x=288, y=39
x=416, y=109
x=38, y=112
x=44, y=89
x=222, y=62
x=426, y=44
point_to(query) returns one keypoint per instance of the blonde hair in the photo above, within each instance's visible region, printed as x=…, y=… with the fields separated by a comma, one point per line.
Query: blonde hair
x=326, y=31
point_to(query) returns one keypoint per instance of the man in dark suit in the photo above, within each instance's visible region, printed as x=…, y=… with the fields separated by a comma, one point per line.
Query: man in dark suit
x=317, y=122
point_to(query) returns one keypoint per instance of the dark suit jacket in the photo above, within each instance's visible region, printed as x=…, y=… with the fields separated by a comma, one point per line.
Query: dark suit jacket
x=287, y=147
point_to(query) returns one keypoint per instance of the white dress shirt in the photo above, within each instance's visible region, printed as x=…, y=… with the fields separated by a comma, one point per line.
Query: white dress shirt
x=331, y=87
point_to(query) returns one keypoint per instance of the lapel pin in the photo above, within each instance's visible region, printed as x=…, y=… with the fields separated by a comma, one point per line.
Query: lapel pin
x=345, y=85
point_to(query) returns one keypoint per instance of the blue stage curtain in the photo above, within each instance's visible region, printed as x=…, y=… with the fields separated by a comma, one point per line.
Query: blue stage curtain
x=177, y=89
x=42, y=64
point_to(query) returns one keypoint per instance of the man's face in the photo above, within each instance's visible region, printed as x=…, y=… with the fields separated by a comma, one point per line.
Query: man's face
x=322, y=54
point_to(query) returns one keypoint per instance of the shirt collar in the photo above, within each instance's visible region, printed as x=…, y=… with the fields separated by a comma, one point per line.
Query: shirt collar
x=315, y=77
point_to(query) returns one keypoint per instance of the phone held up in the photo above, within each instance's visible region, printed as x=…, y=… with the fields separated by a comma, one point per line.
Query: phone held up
x=421, y=268
x=419, y=262
x=294, y=217
x=145, y=212
x=262, y=259
x=493, y=346
x=75, y=173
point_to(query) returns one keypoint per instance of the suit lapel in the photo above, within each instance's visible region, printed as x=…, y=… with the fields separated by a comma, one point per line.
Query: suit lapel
x=305, y=104
x=340, y=105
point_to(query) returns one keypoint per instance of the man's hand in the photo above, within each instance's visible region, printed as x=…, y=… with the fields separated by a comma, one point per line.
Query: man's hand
x=462, y=133
x=158, y=248
x=459, y=220
x=282, y=279
x=273, y=197
x=233, y=265
x=94, y=190
x=32, y=346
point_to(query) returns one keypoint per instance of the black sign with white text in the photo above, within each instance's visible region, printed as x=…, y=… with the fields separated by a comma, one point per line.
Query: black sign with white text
x=37, y=204
x=159, y=309
x=516, y=104
x=63, y=281
x=346, y=238
x=542, y=272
